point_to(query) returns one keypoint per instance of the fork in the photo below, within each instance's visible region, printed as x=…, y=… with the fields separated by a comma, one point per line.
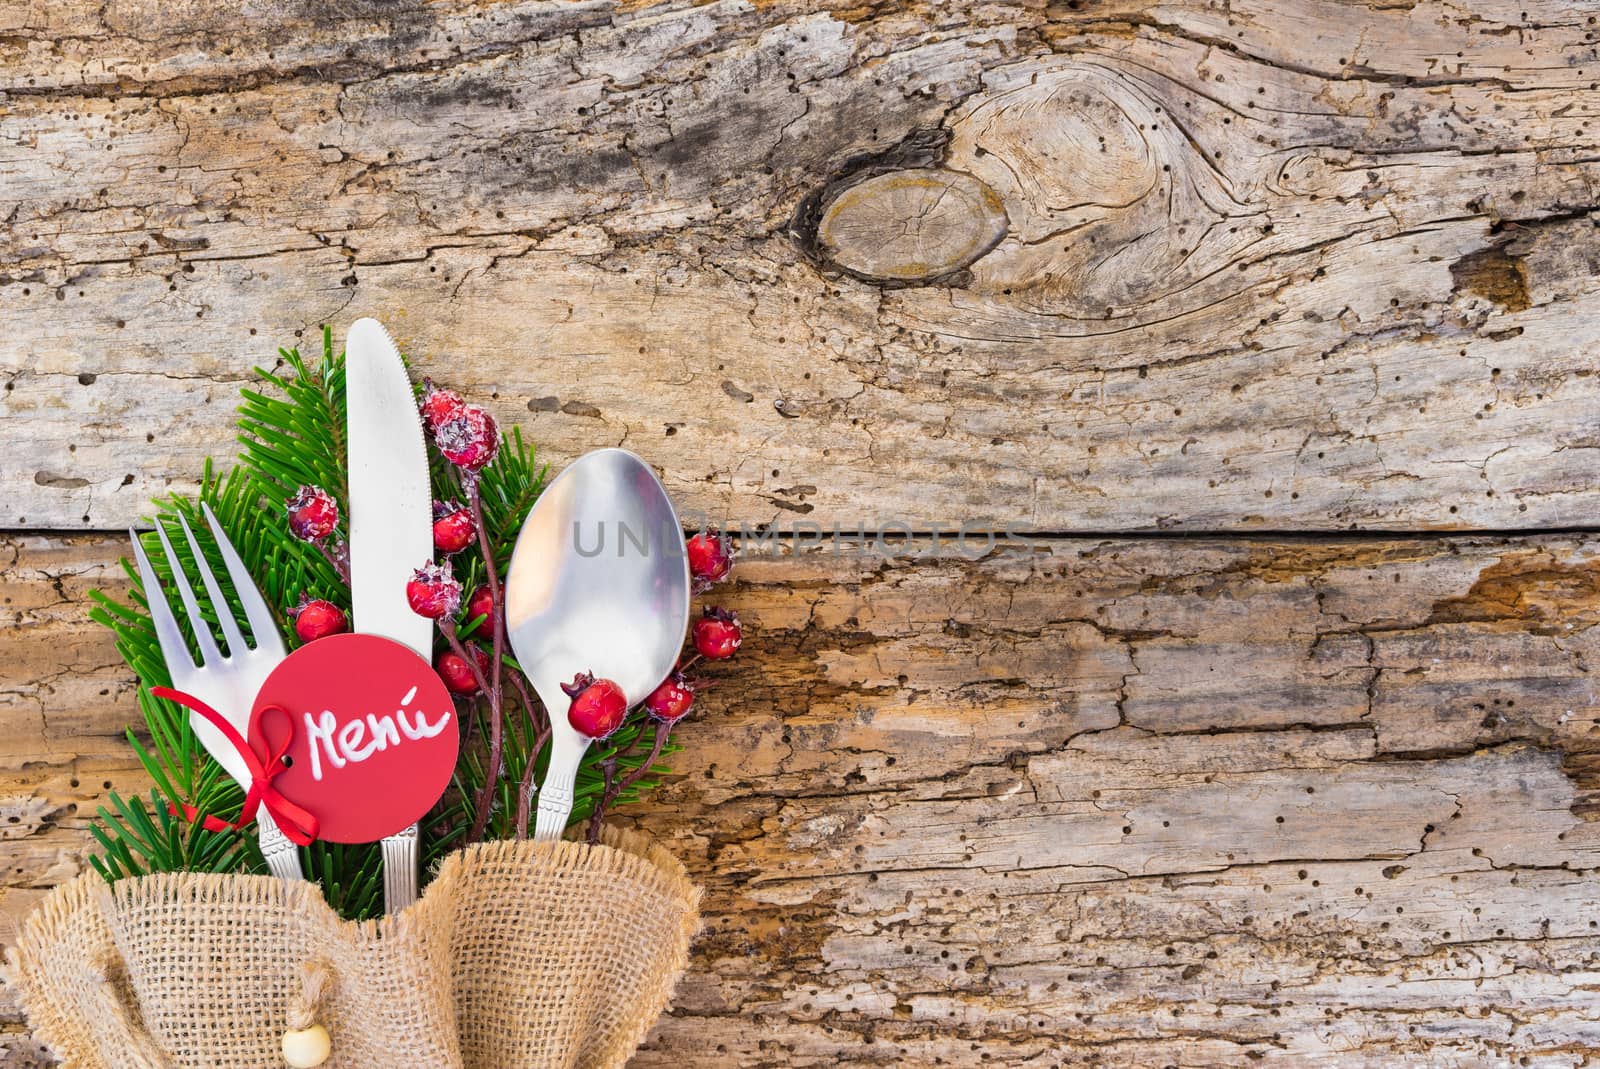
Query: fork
x=228, y=682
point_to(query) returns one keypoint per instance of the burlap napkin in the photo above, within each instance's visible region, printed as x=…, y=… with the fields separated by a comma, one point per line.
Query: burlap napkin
x=518, y=955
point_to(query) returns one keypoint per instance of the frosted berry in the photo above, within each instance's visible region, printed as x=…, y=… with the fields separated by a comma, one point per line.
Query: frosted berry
x=316, y=619
x=433, y=591
x=481, y=604
x=468, y=438
x=457, y=674
x=313, y=514
x=453, y=527
x=710, y=556
x=598, y=705
x=438, y=405
x=670, y=702
x=717, y=634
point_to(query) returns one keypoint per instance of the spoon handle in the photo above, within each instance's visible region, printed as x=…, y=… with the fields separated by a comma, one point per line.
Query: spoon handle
x=556, y=792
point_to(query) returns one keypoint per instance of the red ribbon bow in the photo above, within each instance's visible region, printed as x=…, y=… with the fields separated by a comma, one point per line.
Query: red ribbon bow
x=298, y=825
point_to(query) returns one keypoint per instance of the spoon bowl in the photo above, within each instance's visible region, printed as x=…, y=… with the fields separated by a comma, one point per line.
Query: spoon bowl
x=599, y=582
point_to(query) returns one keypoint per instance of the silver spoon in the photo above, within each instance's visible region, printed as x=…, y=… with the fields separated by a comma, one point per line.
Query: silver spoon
x=599, y=582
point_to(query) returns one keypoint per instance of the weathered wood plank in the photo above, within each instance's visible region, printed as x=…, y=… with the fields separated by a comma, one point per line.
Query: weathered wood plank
x=1316, y=802
x=1339, y=276
x=1264, y=264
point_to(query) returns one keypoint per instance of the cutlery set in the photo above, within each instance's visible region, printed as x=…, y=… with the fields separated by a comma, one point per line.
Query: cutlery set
x=598, y=582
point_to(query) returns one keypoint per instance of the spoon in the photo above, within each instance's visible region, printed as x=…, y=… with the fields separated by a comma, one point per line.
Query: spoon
x=599, y=582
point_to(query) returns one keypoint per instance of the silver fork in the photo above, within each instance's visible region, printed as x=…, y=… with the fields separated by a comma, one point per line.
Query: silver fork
x=226, y=682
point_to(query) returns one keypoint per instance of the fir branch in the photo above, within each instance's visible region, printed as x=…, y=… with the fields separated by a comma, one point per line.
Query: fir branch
x=138, y=841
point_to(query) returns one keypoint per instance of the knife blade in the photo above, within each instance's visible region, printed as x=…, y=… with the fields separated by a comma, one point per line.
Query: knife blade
x=391, y=502
x=391, y=527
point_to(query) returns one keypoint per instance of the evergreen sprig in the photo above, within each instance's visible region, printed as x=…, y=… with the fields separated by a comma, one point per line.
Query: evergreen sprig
x=291, y=427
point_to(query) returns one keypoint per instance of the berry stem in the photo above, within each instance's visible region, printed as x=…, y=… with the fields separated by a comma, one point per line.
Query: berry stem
x=608, y=769
x=633, y=744
x=339, y=557
x=536, y=710
x=447, y=628
x=468, y=721
x=525, y=788
x=663, y=729
x=469, y=486
x=539, y=717
x=615, y=787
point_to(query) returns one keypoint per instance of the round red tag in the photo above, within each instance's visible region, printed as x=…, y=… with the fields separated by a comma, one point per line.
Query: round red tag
x=375, y=734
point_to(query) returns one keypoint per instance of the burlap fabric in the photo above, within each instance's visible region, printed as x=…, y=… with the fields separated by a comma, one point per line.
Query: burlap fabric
x=518, y=955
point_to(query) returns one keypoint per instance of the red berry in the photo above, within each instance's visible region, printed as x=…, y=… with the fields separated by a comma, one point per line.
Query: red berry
x=438, y=405
x=468, y=438
x=453, y=527
x=670, y=702
x=710, y=556
x=433, y=591
x=598, y=705
x=482, y=604
x=313, y=514
x=457, y=674
x=317, y=619
x=717, y=634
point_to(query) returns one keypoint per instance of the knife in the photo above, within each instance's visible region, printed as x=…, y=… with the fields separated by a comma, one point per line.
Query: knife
x=391, y=528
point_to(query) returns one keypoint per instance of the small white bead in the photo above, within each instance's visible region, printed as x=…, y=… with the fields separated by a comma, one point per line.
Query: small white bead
x=306, y=1048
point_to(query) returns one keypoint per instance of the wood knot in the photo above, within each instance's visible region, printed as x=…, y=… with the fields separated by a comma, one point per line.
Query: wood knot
x=911, y=226
x=899, y=217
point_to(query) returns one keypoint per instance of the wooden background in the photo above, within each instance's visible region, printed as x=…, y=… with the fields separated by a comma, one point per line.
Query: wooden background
x=1277, y=319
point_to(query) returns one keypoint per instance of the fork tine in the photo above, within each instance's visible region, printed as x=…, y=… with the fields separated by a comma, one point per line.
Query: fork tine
x=173, y=650
x=230, y=626
x=209, y=654
x=263, y=627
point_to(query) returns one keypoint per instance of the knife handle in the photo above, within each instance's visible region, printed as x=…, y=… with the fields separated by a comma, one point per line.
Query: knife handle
x=400, y=870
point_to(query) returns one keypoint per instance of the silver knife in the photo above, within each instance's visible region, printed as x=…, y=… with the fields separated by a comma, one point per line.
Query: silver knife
x=391, y=528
